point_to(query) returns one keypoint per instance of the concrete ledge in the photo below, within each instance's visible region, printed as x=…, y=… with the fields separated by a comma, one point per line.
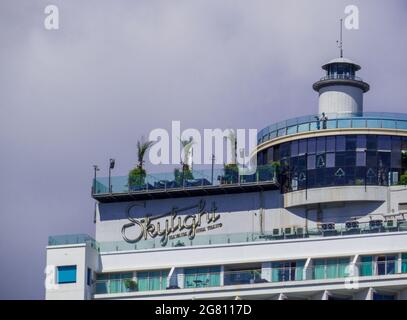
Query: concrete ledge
x=335, y=194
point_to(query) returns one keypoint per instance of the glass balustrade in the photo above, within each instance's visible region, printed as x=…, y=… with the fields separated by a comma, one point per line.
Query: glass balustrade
x=371, y=120
x=177, y=180
x=209, y=277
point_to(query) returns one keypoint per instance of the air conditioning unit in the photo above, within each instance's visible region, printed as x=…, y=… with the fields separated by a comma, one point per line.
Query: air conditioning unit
x=391, y=223
x=288, y=231
x=350, y=225
x=299, y=231
x=327, y=226
x=375, y=224
x=276, y=232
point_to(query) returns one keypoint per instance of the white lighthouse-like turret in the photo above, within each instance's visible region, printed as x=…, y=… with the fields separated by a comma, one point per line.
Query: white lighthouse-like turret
x=341, y=91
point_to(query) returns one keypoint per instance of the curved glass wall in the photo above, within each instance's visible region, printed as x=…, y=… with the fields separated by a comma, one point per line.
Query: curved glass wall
x=339, y=160
x=371, y=120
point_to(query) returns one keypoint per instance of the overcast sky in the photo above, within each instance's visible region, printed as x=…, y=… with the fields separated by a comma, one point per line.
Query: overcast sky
x=117, y=69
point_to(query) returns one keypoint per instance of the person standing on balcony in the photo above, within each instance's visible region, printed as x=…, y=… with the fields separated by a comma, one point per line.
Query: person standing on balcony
x=324, y=120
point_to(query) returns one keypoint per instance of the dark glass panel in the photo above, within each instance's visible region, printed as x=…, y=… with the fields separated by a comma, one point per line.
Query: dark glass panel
x=330, y=176
x=285, y=150
x=372, y=142
x=294, y=148
x=350, y=143
x=340, y=159
x=321, y=145
x=384, y=143
x=330, y=144
x=384, y=159
x=302, y=148
x=270, y=154
x=361, y=142
x=340, y=143
x=350, y=159
x=371, y=159
x=312, y=143
x=320, y=177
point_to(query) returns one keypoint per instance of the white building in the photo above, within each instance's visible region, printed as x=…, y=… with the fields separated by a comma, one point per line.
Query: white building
x=323, y=217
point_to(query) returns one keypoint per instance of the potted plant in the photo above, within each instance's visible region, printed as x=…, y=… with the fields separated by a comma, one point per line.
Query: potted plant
x=276, y=165
x=186, y=172
x=137, y=175
x=403, y=179
x=231, y=170
x=130, y=285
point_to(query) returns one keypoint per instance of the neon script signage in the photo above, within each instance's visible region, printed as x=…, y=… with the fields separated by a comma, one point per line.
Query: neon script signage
x=147, y=227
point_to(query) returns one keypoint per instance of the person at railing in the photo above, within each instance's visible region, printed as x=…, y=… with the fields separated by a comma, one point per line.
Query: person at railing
x=324, y=120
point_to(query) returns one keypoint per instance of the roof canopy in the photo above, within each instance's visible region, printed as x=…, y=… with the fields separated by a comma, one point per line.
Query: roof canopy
x=343, y=61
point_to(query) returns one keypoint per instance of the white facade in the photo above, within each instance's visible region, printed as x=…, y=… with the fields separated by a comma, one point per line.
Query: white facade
x=340, y=99
x=237, y=214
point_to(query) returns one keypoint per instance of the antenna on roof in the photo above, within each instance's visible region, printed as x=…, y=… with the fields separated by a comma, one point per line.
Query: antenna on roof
x=340, y=41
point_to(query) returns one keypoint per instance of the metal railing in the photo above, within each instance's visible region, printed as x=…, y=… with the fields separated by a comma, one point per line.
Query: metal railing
x=220, y=239
x=310, y=123
x=190, y=180
x=341, y=77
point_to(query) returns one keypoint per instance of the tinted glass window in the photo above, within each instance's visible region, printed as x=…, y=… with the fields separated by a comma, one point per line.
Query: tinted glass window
x=330, y=144
x=340, y=143
x=312, y=145
x=384, y=143
x=321, y=145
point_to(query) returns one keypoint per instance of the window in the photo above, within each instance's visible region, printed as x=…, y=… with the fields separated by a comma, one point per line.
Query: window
x=202, y=277
x=361, y=143
x=89, y=277
x=330, y=268
x=351, y=143
x=384, y=143
x=152, y=280
x=379, y=296
x=294, y=148
x=312, y=143
x=386, y=265
x=287, y=271
x=340, y=143
x=114, y=282
x=330, y=144
x=66, y=274
x=321, y=145
x=302, y=147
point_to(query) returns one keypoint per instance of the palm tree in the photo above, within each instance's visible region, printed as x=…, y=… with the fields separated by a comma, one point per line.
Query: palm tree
x=186, y=173
x=138, y=174
x=187, y=148
x=142, y=147
x=233, y=145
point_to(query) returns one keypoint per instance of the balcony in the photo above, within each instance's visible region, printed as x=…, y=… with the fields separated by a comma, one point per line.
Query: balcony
x=224, y=239
x=341, y=77
x=198, y=182
x=366, y=120
x=322, y=271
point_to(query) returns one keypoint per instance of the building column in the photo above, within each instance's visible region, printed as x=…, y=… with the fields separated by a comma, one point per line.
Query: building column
x=366, y=294
x=222, y=276
x=266, y=271
x=323, y=295
x=307, y=272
